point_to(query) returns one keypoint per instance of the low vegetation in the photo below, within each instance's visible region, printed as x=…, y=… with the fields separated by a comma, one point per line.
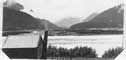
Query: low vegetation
x=112, y=53
x=81, y=52
x=86, y=52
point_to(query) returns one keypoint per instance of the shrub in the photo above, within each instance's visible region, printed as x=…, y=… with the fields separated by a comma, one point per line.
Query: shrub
x=112, y=53
x=74, y=52
x=52, y=51
x=83, y=52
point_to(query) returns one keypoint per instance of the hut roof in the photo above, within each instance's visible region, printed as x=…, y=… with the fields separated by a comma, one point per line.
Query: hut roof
x=22, y=41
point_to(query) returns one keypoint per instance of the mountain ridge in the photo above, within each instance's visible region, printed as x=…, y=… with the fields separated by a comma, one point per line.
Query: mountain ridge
x=50, y=25
x=17, y=20
x=67, y=22
x=110, y=18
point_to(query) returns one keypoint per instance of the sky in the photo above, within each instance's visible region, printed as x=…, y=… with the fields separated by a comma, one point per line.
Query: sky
x=54, y=10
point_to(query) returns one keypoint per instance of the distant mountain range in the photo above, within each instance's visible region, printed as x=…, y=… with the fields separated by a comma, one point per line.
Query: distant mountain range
x=111, y=18
x=16, y=22
x=67, y=22
x=49, y=25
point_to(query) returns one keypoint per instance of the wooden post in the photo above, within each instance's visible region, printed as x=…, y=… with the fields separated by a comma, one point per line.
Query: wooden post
x=44, y=46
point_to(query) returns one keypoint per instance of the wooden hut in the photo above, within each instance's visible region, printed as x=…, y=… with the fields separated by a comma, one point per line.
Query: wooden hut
x=24, y=46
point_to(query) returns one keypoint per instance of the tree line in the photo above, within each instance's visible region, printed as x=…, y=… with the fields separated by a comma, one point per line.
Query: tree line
x=86, y=52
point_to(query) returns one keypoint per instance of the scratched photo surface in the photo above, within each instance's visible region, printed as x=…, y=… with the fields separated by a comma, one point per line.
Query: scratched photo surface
x=63, y=29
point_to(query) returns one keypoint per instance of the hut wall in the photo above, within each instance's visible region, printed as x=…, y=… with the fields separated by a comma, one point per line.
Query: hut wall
x=25, y=53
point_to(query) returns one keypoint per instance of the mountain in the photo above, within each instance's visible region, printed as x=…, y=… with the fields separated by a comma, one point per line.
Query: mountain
x=90, y=17
x=50, y=26
x=110, y=18
x=14, y=20
x=67, y=22
x=12, y=4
